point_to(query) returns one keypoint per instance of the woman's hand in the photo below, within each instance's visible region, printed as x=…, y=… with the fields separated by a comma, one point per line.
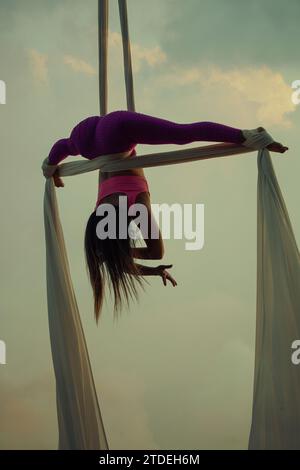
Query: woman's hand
x=58, y=181
x=161, y=271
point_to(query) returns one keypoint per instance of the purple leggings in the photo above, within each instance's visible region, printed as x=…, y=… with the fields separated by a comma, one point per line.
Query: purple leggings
x=121, y=131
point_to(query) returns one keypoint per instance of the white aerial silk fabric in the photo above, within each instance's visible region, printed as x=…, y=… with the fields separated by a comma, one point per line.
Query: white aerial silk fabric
x=276, y=396
x=79, y=418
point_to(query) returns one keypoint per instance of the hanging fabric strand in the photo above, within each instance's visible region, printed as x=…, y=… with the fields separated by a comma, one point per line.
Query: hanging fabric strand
x=79, y=418
x=126, y=55
x=103, y=47
x=276, y=397
x=276, y=404
x=103, y=10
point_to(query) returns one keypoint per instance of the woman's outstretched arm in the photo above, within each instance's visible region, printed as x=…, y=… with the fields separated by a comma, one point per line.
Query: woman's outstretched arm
x=145, y=129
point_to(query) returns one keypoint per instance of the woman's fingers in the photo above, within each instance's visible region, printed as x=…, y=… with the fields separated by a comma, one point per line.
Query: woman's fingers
x=172, y=280
x=167, y=277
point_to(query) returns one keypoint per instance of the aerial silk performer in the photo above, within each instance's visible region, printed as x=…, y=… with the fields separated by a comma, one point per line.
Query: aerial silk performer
x=108, y=144
x=112, y=259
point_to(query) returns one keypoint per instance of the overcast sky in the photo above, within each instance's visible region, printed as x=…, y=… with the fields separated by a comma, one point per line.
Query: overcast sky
x=176, y=370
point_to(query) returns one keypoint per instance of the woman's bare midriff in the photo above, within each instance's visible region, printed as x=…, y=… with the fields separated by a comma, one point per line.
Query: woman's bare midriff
x=104, y=175
x=143, y=198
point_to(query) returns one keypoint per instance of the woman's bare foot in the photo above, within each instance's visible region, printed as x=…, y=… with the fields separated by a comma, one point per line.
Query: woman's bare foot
x=274, y=146
x=277, y=147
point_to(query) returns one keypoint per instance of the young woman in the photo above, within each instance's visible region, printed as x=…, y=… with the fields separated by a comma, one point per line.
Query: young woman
x=113, y=259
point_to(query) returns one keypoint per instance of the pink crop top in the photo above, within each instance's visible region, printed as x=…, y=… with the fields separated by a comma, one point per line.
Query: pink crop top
x=130, y=185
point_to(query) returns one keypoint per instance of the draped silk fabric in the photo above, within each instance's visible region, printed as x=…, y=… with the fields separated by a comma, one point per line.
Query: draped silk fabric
x=79, y=418
x=276, y=396
x=276, y=407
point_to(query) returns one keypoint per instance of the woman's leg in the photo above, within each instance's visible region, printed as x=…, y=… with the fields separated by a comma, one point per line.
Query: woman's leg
x=138, y=128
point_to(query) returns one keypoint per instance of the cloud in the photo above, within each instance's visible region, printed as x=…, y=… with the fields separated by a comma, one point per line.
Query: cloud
x=263, y=90
x=266, y=89
x=79, y=65
x=152, y=56
x=259, y=88
x=39, y=65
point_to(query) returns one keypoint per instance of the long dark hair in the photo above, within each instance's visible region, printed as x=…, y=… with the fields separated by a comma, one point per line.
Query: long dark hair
x=110, y=259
